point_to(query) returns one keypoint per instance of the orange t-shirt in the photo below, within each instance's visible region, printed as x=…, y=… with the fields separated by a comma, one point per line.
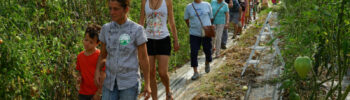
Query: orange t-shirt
x=87, y=66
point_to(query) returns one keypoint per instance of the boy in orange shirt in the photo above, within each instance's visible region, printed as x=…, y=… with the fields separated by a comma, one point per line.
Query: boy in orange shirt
x=86, y=65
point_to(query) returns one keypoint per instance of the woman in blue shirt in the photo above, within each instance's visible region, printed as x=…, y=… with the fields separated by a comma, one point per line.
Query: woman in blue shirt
x=221, y=21
x=197, y=38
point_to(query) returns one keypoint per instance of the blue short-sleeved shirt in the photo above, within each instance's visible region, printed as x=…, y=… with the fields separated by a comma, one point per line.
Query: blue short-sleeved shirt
x=220, y=18
x=122, y=65
x=204, y=11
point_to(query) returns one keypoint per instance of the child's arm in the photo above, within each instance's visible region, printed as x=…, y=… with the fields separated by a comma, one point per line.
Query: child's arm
x=78, y=77
x=102, y=78
x=77, y=74
x=98, y=93
x=100, y=63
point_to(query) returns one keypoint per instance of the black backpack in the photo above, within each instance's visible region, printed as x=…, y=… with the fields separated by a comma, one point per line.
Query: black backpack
x=236, y=6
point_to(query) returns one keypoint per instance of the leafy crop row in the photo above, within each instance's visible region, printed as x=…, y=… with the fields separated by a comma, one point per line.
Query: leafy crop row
x=41, y=39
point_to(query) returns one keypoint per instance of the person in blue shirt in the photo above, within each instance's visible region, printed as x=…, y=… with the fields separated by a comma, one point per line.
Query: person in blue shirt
x=197, y=38
x=235, y=18
x=221, y=21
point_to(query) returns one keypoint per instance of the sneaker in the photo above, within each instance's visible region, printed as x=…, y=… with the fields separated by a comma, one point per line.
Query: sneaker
x=223, y=47
x=207, y=68
x=195, y=76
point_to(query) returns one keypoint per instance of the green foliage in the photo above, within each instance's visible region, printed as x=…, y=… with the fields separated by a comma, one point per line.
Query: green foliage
x=318, y=29
x=41, y=39
x=294, y=96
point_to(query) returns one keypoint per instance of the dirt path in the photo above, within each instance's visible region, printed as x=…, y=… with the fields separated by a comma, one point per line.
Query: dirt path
x=181, y=84
x=184, y=88
x=180, y=81
x=225, y=82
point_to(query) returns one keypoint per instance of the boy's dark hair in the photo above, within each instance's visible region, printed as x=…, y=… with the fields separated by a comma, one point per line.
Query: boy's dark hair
x=93, y=30
x=123, y=3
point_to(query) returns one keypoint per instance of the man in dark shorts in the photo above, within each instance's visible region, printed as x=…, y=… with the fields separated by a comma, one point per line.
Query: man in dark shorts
x=235, y=10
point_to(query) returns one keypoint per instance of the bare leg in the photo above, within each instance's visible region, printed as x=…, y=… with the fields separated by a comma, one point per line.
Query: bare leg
x=254, y=12
x=195, y=69
x=236, y=29
x=163, y=62
x=246, y=20
x=153, y=83
x=240, y=29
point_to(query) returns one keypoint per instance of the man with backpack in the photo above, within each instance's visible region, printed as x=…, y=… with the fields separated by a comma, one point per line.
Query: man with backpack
x=234, y=11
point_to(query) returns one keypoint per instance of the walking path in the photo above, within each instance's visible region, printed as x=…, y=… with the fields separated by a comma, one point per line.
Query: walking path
x=269, y=64
x=180, y=81
x=183, y=87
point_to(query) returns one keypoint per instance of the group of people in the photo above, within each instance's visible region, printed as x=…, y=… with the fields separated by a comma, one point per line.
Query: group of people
x=219, y=13
x=112, y=72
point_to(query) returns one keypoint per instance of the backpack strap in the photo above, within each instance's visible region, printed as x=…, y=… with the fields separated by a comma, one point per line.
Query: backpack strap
x=217, y=12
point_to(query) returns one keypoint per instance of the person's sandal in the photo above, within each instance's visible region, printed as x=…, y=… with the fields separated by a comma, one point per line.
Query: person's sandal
x=169, y=96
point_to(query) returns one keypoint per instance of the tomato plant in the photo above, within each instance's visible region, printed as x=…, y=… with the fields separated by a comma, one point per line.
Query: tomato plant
x=320, y=30
x=41, y=38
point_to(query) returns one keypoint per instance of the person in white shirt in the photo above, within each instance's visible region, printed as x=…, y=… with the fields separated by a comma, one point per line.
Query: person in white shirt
x=157, y=13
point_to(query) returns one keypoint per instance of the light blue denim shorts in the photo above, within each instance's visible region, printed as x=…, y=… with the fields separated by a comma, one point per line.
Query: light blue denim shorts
x=127, y=94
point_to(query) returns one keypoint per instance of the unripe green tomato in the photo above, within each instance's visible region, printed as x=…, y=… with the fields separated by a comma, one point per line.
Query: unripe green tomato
x=303, y=66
